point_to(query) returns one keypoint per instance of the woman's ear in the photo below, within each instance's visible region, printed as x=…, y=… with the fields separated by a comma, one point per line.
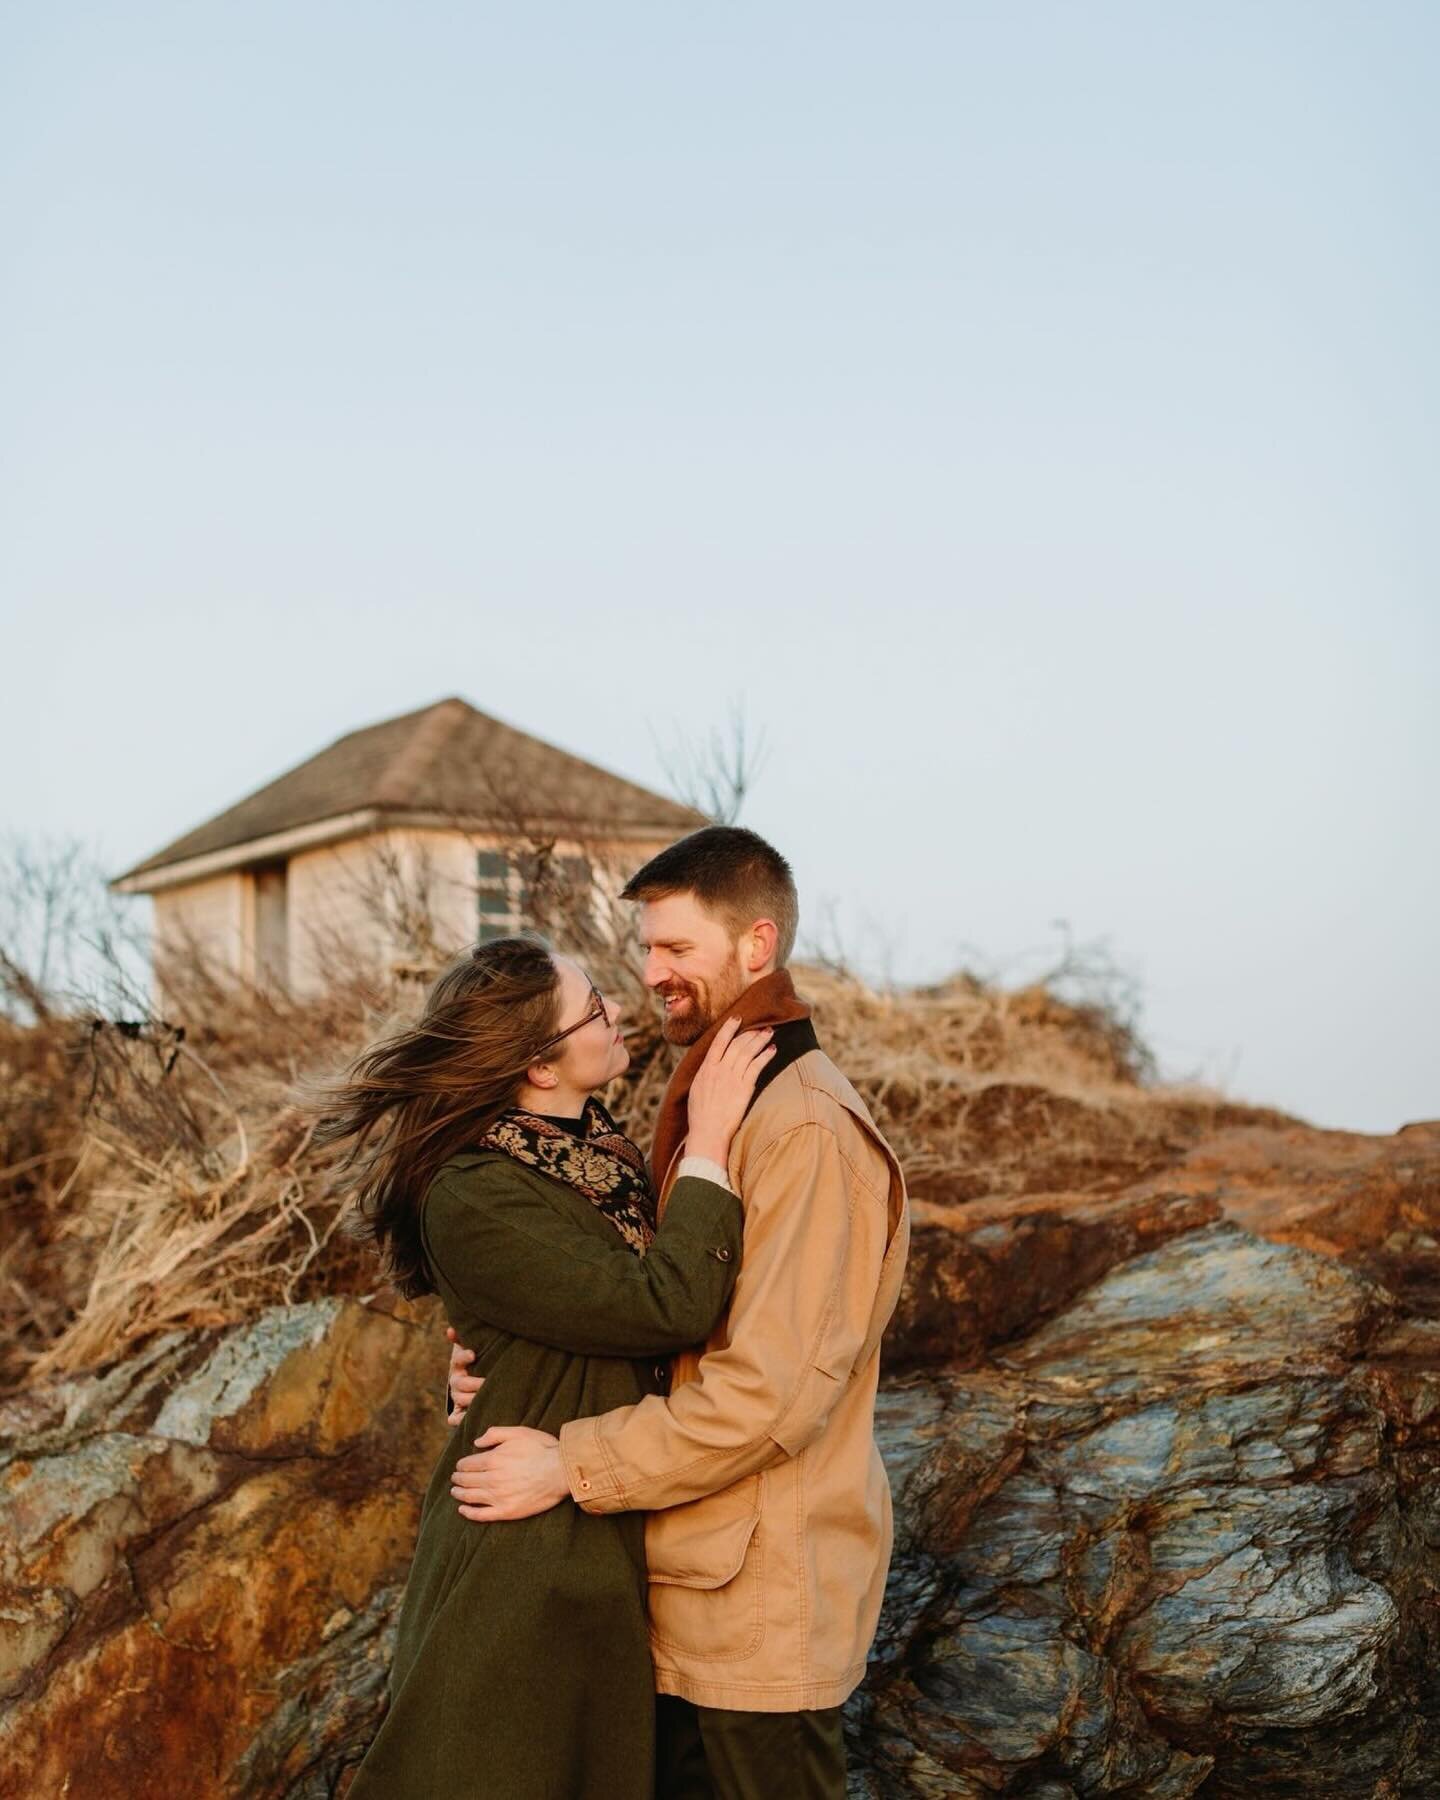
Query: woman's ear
x=541, y=1075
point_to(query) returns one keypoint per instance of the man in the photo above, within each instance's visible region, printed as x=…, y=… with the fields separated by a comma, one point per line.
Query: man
x=768, y=1531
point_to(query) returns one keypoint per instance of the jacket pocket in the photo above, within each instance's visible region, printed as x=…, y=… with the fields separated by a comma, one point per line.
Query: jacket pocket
x=707, y=1595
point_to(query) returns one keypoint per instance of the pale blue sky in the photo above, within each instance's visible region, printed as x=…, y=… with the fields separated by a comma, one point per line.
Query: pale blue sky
x=1031, y=410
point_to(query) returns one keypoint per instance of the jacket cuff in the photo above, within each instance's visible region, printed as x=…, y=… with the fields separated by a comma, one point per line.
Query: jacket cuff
x=594, y=1486
x=704, y=1170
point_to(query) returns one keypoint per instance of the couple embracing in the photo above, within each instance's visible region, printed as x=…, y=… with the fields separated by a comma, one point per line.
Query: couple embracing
x=652, y=1557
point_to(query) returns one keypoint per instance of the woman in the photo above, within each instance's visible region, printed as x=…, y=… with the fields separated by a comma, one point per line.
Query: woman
x=486, y=1171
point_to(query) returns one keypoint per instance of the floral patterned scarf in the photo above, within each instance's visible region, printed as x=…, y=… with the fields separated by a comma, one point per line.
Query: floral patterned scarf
x=602, y=1164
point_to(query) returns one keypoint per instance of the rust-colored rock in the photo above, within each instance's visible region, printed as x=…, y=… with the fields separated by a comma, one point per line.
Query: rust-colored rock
x=1373, y=1202
x=983, y=1273
x=203, y=1555
x=1165, y=1451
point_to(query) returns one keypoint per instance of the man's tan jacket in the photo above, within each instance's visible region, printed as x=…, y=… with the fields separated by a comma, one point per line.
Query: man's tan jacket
x=769, y=1531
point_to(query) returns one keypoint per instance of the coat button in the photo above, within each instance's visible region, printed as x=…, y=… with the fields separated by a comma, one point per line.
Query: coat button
x=723, y=1253
x=662, y=1374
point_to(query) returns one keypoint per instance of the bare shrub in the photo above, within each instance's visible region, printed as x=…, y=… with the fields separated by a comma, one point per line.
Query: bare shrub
x=157, y=1168
x=715, y=774
x=174, y=1189
x=157, y=1172
x=62, y=935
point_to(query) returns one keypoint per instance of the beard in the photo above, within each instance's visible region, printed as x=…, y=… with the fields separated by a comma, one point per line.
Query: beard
x=702, y=1003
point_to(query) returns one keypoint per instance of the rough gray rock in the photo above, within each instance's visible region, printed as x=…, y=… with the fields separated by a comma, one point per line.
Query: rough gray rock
x=1167, y=1503
x=1180, y=1541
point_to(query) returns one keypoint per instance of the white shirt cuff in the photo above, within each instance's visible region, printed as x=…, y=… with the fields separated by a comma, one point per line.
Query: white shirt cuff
x=706, y=1170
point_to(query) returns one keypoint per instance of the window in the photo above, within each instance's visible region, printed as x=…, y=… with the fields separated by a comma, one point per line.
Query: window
x=498, y=896
x=577, y=883
x=576, y=902
x=554, y=893
x=558, y=895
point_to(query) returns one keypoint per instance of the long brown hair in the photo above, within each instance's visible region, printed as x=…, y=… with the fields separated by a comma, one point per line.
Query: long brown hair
x=410, y=1102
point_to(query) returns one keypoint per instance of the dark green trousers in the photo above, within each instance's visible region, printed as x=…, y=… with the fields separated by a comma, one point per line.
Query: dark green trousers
x=706, y=1753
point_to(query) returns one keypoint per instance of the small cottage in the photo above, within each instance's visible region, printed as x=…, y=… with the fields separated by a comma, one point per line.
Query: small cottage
x=446, y=802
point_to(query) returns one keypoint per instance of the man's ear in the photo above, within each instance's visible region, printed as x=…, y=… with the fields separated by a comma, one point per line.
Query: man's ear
x=764, y=940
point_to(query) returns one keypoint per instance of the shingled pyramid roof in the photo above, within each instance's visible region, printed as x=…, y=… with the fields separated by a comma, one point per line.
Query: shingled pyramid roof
x=447, y=763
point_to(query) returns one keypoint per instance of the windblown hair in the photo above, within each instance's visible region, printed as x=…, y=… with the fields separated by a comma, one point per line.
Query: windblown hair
x=415, y=1099
x=734, y=873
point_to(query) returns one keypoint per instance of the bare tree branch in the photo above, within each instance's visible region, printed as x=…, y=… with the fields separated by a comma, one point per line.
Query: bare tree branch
x=716, y=775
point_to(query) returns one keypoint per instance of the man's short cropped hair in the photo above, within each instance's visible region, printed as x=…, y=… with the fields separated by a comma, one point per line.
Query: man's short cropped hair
x=734, y=873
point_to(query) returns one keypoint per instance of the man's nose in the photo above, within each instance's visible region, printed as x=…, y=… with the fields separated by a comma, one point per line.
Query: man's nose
x=656, y=973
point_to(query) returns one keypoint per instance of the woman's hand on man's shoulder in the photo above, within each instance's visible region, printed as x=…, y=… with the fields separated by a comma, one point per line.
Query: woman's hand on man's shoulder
x=723, y=1088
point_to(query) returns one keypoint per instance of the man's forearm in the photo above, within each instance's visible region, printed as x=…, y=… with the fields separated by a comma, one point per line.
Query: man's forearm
x=815, y=1239
x=752, y=1406
x=599, y=1485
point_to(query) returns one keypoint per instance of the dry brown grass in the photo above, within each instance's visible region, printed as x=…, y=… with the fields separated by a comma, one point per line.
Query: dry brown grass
x=156, y=1176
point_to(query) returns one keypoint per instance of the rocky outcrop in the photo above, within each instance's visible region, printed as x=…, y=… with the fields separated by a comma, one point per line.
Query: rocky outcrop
x=983, y=1273
x=1166, y=1464
x=1180, y=1540
x=203, y=1555
x=1372, y=1202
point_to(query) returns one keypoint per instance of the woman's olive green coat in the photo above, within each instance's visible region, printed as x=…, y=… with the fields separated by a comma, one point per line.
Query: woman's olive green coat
x=522, y=1668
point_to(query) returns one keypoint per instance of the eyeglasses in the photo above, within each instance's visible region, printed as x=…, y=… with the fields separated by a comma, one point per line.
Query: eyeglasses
x=598, y=1010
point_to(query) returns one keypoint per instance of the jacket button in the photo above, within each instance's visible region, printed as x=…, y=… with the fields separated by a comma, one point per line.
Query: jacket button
x=723, y=1253
x=586, y=1486
x=662, y=1374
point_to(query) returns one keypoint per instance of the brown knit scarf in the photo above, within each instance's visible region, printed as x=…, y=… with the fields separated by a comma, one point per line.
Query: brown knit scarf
x=770, y=1001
